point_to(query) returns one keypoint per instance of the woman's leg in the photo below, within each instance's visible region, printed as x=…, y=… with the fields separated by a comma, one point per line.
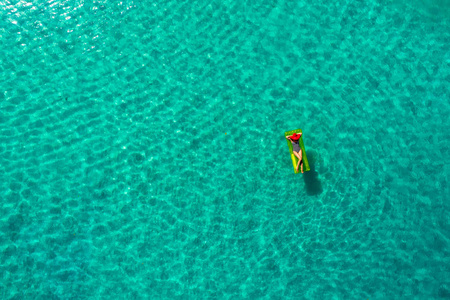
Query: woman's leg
x=300, y=160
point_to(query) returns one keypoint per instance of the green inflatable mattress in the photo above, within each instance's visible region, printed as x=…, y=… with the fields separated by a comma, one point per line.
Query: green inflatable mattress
x=302, y=146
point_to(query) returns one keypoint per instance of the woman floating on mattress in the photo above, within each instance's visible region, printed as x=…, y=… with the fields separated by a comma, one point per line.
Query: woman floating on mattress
x=296, y=149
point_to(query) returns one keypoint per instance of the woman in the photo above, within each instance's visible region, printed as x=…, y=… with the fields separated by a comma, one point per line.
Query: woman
x=296, y=149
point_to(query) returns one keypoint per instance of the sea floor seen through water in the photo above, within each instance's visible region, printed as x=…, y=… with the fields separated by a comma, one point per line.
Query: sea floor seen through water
x=142, y=153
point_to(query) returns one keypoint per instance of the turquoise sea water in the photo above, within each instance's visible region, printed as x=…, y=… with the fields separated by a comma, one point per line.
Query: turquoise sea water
x=142, y=152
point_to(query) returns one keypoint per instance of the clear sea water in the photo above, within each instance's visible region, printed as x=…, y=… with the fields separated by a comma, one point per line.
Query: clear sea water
x=142, y=153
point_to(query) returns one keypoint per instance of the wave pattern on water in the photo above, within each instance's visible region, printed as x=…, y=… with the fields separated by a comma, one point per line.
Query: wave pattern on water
x=142, y=156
